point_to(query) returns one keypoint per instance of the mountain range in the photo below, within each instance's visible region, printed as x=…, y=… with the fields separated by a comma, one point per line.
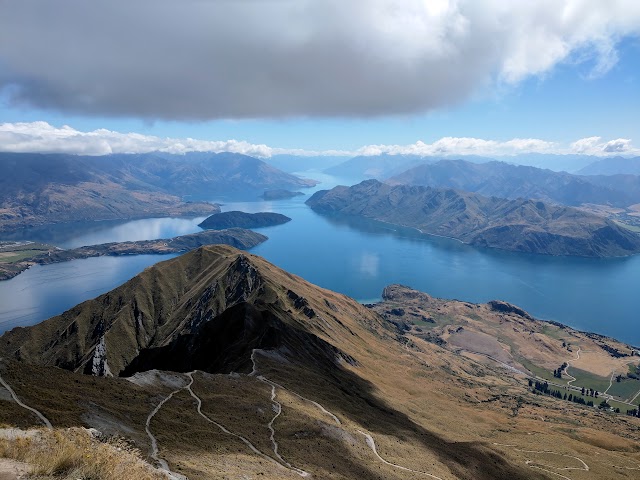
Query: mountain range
x=517, y=225
x=387, y=165
x=505, y=180
x=55, y=188
x=612, y=166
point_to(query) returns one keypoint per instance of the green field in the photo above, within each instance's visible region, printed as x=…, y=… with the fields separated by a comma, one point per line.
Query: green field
x=12, y=253
x=627, y=388
x=589, y=380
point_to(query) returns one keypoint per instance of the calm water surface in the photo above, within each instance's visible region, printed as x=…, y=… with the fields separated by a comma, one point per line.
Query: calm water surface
x=354, y=257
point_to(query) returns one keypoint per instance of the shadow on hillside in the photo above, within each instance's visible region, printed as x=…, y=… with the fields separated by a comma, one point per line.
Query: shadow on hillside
x=225, y=343
x=345, y=393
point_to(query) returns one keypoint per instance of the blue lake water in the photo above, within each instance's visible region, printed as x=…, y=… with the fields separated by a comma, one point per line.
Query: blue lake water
x=357, y=258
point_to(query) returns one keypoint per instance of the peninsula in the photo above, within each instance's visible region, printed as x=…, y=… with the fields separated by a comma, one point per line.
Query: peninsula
x=518, y=225
x=17, y=257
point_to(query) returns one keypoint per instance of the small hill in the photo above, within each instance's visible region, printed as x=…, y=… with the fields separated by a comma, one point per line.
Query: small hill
x=516, y=225
x=279, y=194
x=235, y=219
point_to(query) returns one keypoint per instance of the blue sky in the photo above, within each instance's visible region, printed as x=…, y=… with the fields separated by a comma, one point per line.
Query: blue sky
x=559, y=99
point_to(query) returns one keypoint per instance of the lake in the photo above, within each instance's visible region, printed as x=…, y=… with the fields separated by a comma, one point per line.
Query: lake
x=355, y=257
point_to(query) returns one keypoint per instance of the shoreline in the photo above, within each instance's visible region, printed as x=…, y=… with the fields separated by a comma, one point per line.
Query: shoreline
x=379, y=300
x=236, y=237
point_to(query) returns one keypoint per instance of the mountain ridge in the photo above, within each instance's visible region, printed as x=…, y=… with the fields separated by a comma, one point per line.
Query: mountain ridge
x=336, y=391
x=517, y=225
x=57, y=188
x=505, y=180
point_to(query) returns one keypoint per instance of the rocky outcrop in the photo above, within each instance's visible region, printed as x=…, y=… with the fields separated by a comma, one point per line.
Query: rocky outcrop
x=504, y=307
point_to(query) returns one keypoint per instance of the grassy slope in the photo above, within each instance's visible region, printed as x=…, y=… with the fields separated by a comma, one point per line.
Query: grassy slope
x=409, y=394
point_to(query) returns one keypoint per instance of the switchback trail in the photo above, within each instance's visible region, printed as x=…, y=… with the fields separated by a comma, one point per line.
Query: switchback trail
x=154, y=442
x=566, y=370
x=39, y=414
x=222, y=427
x=549, y=468
x=262, y=378
x=372, y=445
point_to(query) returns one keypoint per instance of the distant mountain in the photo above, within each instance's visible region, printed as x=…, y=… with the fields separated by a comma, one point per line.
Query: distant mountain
x=376, y=166
x=556, y=162
x=517, y=181
x=52, y=188
x=206, y=175
x=301, y=163
x=517, y=225
x=234, y=219
x=612, y=166
x=386, y=165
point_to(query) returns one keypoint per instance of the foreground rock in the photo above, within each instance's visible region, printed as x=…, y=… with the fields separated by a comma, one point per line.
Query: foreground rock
x=517, y=225
x=236, y=237
x=237, y=219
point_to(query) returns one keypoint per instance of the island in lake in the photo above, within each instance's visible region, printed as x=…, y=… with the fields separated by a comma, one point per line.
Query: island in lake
x=518, y=225
x=279, y=194
x=235, y=219
x=15, y=257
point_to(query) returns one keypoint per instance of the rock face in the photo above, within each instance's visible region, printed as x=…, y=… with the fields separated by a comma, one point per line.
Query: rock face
x=516, y=225
x=237, y=219
x=205, y=310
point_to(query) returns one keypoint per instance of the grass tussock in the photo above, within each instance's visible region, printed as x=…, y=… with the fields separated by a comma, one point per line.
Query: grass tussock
x=74, y=454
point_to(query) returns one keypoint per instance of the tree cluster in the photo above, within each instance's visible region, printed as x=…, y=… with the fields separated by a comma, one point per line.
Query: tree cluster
x=543, y=388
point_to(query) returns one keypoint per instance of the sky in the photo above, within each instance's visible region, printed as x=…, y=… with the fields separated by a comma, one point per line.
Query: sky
x=262, y=77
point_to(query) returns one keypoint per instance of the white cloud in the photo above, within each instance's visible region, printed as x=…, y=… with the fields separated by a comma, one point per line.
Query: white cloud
x=45, y=138
x=193, y=59
x=597, y=146
x=448, y=146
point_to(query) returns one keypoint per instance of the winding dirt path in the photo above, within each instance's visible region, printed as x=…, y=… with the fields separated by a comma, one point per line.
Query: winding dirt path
x=605, y=394
x=546, y=468
x=223, y=428
x=566, y=370
x=154, y=442
x=277, y=408
x=39, y=414
x=372, y=445
x=262, y=378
